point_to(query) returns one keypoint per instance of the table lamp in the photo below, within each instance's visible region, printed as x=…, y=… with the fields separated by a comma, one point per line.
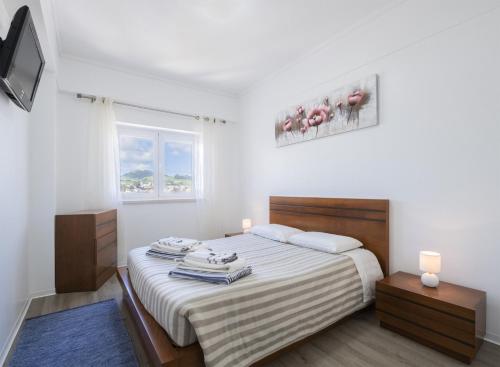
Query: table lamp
x=430, y=263
x=246, y=224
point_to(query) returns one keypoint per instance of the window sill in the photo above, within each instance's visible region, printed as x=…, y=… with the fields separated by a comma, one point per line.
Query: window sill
x=157, y=201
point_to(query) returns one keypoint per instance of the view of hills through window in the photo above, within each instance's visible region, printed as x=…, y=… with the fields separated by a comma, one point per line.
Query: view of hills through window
x=137, y=164
x=178, y=167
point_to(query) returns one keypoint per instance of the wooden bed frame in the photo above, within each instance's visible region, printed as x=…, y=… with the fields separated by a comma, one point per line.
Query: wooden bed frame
x=364, y=219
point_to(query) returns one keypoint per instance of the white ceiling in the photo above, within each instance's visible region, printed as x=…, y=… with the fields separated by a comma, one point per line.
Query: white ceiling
x=225, y=45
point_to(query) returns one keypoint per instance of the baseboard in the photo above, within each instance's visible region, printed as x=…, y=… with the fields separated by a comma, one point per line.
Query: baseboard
x=492, y=338
x=19, y=322
x=13, y=333
x=39, y=294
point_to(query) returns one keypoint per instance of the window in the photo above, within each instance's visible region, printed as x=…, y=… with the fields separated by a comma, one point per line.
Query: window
x=156, y=164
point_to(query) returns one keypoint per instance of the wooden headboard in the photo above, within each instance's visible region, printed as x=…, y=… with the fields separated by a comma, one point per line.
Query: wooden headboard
x=364, y=219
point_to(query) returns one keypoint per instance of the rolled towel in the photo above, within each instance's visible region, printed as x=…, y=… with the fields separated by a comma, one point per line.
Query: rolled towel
x=211, y=257
x=196, y=265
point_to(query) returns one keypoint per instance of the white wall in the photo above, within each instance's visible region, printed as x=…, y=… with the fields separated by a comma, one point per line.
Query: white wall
x=14, y=180
x=434, y=154
x=177, y=218
x=16, y=213
x=27, y=194
x=85, y=77
x=27, y=191
x=42, y=187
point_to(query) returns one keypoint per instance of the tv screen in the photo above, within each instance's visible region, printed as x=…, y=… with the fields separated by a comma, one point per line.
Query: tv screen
x=21, y=60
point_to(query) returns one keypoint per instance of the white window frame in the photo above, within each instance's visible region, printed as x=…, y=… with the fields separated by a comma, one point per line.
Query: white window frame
x=160, y=136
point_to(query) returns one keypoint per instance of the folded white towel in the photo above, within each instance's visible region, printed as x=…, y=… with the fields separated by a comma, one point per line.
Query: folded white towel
x=184, y=266
x=177, y=249
x=211, y=277
x=196, y=265
x=210, y=257
x=178, y=241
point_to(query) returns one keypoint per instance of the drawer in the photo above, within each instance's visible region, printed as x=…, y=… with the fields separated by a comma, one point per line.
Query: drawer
x=106, y=240
x=437, y=321
x=106, y=259
x=426, y=336
x=105, y=228
x=428, y=301
x=104, y=217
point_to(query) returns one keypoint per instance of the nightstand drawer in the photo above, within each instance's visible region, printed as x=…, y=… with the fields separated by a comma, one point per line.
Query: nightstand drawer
x=424, y=300
x=440, y=322
x=428, y=337
x=449, y=318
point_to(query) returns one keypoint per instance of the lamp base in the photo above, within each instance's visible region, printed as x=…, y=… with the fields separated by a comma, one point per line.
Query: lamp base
x=430, y=280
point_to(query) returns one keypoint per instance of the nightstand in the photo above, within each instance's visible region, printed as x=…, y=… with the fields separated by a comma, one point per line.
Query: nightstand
x=233, y=234
x=449, y=318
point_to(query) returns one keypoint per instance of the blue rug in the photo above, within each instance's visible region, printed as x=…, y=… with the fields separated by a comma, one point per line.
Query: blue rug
x=92, y=335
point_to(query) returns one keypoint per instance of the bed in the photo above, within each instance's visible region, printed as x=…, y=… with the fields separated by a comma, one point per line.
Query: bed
x=293, y=293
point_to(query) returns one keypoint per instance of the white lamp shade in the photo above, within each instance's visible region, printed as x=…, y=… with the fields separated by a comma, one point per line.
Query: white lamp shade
x=246, y=224
x=430, y=262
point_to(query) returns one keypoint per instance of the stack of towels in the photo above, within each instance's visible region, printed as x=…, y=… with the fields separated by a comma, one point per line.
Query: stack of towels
x=174, y=248
x=209, y=266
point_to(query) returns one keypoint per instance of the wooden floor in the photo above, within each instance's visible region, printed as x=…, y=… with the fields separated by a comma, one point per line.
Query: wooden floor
x=359, y=342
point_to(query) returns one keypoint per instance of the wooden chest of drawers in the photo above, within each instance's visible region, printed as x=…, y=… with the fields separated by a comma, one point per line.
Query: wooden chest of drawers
x=449, y=318
x=85, y=250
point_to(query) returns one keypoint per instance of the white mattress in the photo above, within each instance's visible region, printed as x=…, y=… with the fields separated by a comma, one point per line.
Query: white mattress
x=314, y=279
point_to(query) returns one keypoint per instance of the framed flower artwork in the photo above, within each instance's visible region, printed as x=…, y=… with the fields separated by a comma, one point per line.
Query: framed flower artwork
x=352, y=107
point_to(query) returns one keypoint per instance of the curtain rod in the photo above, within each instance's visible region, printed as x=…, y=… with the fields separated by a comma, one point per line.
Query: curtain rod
x=196, y=117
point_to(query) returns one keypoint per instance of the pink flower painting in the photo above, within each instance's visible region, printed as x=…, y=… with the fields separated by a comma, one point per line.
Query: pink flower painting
x=305, y=126
x=287, y=124
x=355, y=100
x=317, y=115
x=353, y=107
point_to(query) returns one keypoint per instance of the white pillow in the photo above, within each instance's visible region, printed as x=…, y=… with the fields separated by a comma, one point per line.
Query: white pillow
x=325, y=242
x=275, y=232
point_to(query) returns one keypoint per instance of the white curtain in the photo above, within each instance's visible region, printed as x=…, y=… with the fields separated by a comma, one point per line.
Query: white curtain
x=101, y=191
x=207, y=196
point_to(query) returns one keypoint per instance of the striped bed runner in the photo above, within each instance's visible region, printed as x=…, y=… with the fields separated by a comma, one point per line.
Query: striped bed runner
x=293, y=292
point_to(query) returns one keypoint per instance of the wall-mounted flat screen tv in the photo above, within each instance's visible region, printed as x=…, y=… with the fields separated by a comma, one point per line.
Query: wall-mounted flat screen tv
x=21, y=60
